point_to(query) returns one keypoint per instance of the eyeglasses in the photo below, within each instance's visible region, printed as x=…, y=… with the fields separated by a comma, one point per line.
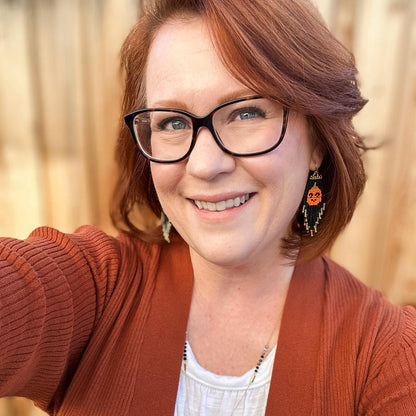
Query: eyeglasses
x=247, y=126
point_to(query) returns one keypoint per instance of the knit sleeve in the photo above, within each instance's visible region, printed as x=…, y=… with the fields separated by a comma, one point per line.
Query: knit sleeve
x=53, y=289
x=391, y=387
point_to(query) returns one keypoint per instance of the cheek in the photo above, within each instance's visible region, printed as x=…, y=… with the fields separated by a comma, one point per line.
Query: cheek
x=296, y=148
x=165, y=179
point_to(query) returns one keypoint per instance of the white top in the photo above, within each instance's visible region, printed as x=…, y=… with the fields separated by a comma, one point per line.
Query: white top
x=202, y=393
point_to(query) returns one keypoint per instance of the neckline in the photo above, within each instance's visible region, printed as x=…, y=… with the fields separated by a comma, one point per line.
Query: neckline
x=218, y=381
x=299, y=337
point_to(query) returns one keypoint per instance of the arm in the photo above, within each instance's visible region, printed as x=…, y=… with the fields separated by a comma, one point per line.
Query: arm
x=53, y=289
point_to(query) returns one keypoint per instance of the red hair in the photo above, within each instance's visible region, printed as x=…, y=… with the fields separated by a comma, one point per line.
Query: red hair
x=277, y=48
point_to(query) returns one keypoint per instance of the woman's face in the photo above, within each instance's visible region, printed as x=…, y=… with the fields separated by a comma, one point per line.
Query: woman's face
x=185, y=72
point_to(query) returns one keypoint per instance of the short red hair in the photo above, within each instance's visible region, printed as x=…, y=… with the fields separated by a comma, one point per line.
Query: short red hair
x=277, y=48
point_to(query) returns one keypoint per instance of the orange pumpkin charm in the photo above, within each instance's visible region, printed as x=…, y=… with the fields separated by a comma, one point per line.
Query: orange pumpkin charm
x=314, y=195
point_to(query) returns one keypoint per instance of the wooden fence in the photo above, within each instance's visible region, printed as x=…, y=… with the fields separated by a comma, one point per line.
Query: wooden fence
x=59, y=108
x=379, y=246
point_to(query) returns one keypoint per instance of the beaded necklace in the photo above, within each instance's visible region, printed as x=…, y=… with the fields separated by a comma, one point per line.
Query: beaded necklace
x=252, y=378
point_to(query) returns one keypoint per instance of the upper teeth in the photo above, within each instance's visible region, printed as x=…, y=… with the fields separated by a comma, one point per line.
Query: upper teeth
x=222, y=205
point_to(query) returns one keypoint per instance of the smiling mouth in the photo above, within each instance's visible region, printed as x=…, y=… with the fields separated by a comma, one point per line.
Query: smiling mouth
x=223, y=205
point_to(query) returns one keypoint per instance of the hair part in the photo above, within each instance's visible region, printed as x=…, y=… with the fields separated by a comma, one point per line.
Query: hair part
x=294, y=58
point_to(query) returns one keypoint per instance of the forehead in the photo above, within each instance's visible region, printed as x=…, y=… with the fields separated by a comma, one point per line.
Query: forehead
x=183, y=65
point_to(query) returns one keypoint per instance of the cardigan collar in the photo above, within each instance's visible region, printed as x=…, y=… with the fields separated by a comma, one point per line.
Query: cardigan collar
x=291, y=389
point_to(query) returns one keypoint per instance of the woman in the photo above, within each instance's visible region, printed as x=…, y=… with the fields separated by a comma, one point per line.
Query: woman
x=243, y=143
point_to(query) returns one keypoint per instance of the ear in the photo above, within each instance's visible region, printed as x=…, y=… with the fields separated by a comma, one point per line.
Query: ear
x=317, y=157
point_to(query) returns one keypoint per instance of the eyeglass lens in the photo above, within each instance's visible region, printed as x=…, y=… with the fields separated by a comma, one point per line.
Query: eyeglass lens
x=244, y=127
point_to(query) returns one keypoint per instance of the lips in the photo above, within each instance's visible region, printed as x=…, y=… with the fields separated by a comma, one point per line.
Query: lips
x=222, y=205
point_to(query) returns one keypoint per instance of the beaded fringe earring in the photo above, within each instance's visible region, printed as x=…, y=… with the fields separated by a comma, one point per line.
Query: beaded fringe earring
x=166, y=226
x=313, y=205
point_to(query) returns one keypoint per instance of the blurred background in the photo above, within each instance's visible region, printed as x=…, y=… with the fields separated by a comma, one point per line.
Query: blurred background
x=60, y=92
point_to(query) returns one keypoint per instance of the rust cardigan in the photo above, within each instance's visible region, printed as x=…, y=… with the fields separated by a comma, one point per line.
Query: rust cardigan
x=92, y=325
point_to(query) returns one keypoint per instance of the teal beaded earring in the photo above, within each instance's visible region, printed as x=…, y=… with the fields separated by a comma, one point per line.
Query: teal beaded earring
x=166, y=226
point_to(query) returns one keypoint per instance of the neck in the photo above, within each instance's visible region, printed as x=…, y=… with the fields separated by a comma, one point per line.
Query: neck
x=249, y=284
x=235, y=311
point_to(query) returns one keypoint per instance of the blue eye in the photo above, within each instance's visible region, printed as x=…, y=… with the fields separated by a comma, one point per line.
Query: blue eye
x=247, y=113
x=173, y=123
x=178, y=124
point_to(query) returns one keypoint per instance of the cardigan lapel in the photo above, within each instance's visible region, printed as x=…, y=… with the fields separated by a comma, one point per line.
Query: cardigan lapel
x=164, y=331
x=292, y=385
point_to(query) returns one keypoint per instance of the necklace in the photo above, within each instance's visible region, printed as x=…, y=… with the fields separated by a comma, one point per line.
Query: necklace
x=251, y=380
x=256, y=368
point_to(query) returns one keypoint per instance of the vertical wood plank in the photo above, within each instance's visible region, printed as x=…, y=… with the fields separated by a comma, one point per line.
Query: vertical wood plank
x=376, y=63
x=398, y=252
x=21, y=195
x=379, y=244
x=60, y=111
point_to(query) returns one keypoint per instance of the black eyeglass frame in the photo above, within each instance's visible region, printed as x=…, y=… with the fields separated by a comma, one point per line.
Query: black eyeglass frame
x=205, y=121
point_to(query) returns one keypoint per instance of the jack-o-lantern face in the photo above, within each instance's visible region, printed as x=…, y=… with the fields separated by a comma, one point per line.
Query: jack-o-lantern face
x=314, y=196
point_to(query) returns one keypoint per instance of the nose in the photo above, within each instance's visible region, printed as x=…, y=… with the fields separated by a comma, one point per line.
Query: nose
x=207, y=159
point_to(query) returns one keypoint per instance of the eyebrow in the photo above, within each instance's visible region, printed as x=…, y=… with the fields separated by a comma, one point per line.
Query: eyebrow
x=174, y=103
x=246, y=92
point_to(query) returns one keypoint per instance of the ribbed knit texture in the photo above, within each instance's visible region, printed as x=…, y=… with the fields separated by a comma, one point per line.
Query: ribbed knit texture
x=369, y=352
x=91, y=325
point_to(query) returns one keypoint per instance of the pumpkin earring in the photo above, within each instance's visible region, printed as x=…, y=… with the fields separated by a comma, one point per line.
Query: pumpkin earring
x=166, y=226
x=313, y=205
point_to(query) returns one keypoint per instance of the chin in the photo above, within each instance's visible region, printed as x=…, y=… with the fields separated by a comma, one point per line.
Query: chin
x=226, y=256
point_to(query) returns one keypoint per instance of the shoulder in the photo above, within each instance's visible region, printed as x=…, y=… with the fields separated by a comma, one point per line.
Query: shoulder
x=352, y=297
x=390, y=386
x=95, y=246
x=347, y=292
x=340, y=276
x=379, y=335
x=110, y=258
x=87, y=257
x=350, y=302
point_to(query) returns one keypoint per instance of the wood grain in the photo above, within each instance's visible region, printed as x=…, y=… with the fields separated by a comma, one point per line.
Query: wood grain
x=59, y=109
